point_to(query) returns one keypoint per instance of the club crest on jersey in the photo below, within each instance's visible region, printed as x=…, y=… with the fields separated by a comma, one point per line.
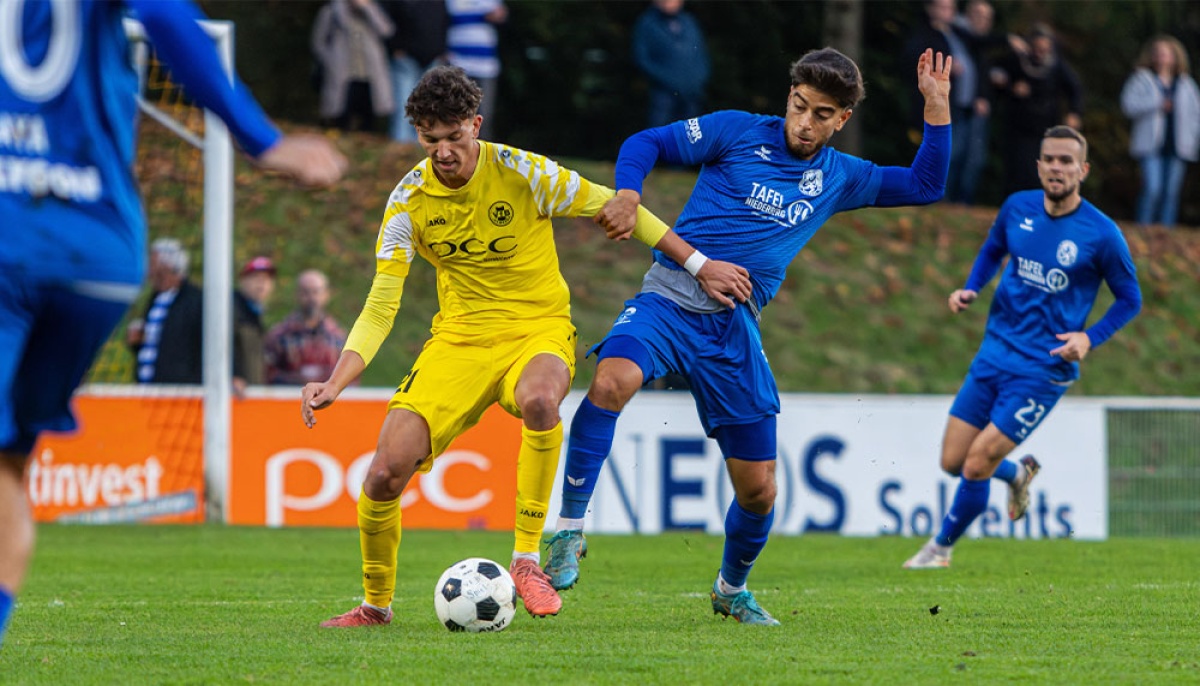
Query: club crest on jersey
x=501, y=213
x=812, y=183
x=693, y=131
x=1067, y=252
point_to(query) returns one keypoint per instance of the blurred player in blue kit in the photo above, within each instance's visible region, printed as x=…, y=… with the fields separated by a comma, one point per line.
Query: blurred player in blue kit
x=766, y=185
x=73, y=236
x=1061, y=248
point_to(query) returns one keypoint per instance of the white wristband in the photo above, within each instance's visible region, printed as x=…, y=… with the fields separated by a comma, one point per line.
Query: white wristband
x=694, y=262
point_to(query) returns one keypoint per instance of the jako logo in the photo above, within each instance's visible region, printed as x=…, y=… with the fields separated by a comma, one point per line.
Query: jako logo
x=337, y=480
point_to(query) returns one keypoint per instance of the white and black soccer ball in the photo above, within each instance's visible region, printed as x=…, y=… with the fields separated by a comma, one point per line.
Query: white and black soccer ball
x=475, y=595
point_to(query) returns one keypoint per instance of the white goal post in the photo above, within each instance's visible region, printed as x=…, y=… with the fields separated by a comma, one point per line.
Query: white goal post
x=217, y=149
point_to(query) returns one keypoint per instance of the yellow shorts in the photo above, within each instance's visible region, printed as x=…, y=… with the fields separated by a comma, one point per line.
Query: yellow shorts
x=451, y=384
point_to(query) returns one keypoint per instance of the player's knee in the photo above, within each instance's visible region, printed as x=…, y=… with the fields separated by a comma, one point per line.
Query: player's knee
x=540, y=411
x=757, y=497
x=611, y=391
x=387, y=476
x=952, y=465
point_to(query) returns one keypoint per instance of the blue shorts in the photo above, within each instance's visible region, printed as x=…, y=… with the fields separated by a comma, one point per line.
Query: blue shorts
x=720, y=354
x=1015, y=404
x=49, y=335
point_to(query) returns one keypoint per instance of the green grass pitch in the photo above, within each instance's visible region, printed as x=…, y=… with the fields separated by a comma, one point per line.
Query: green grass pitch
x=225, y=605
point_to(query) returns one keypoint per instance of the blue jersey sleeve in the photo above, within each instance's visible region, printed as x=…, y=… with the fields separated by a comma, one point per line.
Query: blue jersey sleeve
x=691, y=142
x=925, y=181
x=1121, y=276
x=638, y=154
x=987, y=263
x=193, y=60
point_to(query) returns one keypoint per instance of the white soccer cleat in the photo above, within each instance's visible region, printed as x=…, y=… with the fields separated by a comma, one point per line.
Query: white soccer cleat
x=930, y=556
x=1018, y=490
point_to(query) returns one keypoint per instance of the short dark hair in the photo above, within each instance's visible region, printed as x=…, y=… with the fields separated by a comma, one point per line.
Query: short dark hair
x=832, y=73
x=1064, y=131
x=444, y=94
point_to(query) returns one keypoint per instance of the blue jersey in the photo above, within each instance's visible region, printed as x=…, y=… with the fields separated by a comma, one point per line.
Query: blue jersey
x=1050, y=283
x=67, y=131
x=755, y=204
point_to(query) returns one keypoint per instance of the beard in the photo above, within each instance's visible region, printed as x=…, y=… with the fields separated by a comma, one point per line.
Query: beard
x=1065, y=192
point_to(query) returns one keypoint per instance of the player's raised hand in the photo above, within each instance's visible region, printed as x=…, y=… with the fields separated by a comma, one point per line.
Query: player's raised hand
x=316, y=395
x=961, y=300
x=308, y=158
x=619, y=215
x=725, y=282
x=933, y=80
x=1075, y=348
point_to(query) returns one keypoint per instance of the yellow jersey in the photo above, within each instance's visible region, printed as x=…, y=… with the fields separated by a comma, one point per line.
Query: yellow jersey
x=491, y=242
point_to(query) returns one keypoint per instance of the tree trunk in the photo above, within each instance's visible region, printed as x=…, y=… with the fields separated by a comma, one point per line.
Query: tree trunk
x=843, y=32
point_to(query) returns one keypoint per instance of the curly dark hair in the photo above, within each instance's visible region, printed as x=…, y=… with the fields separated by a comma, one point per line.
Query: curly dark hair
x=832, y=73
x=444, y=94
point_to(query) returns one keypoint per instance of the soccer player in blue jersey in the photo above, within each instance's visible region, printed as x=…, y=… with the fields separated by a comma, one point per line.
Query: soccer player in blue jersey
x=766, y=185
x=1061, y=247
x=72, y=239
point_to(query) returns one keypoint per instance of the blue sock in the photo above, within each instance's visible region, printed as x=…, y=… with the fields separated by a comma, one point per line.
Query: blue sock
x=970, y=501
x=745, y=537
x=591, y=440
x=6, y=605
x=1005, y=471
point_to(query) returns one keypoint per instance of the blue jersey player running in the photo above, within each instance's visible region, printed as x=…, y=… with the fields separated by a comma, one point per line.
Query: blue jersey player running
x=767, y=184
x=1061, y=247
x=72, y=239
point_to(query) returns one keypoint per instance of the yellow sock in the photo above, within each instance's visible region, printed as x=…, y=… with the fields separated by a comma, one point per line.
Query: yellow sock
x=379, y=537
x=537, y=464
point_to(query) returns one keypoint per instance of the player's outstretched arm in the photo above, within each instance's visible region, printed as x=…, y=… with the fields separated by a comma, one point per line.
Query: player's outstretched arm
x=933, y=80
x=318, y=395
x=622, y=217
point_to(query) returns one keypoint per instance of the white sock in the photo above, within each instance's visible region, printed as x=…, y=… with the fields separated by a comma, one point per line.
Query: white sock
x=535, y=556
x=1020, y=474
x=726, y=589
x=381, y=610
x=569, y=524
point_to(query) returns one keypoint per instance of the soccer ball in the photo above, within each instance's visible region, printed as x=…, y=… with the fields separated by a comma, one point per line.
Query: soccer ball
x=475, y=595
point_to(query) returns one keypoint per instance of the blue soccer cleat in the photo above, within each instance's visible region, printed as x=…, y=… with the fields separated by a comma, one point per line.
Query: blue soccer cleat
x=566, y=549
x=742, y=607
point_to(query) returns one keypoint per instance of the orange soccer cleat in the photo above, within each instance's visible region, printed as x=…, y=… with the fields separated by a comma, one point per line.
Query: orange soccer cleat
x=359, y=616
x=533, y=585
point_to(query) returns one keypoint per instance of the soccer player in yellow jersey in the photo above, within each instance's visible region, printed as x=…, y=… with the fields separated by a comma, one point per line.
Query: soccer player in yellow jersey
x=480, y=213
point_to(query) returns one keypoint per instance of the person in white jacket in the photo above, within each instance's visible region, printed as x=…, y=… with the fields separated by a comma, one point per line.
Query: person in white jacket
x=1163, y=102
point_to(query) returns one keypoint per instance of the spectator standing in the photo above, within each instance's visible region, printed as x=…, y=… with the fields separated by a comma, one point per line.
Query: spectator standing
x=256, y=282
x=972, y=105
x=167, y=341
x=1163, y=102
x=348, y=41
x=306, y=345
x=417, y=45
x=471, y=44
x=669, y=48
x=1037, y=83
